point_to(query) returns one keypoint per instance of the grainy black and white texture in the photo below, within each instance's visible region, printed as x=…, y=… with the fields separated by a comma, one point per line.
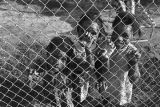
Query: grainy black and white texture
x=79, y=53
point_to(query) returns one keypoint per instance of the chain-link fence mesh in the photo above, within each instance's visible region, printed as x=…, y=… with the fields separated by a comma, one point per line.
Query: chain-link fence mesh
x=79, y=53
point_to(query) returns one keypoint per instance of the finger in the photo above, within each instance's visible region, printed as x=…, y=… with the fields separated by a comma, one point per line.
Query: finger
x=86, y=33
x=89, y=34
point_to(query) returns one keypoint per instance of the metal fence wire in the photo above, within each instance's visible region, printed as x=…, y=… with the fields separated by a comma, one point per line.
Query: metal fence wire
x=79, y=53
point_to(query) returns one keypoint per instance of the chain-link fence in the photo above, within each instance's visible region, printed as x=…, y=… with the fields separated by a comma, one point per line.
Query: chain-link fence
x=79, y=53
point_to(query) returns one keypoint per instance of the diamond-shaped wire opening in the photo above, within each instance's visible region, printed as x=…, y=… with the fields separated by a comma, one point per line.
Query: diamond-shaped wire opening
x=101, y=5
x=84, y=5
